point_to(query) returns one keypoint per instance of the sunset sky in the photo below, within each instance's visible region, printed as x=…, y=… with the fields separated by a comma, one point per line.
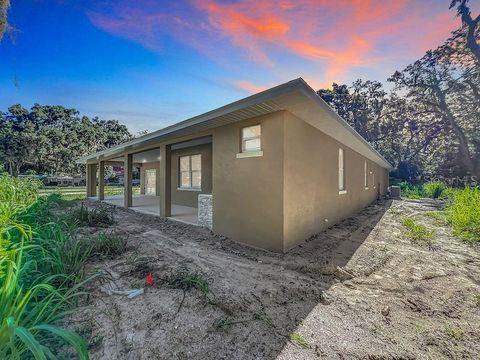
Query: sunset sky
x=150, y=63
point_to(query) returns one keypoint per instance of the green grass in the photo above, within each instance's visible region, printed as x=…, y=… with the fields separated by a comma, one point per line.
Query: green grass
x=108, y=246
x=453, y=332
x=433, y=189
x=98, y=216
x=463, y=214
x=186, y=279
x=80, y=192
x=417, y=233
x=298, y=340
x=42, y=273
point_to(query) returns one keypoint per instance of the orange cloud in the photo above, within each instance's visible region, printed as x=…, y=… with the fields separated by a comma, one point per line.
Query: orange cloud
x=336, y=38
x=249, y=86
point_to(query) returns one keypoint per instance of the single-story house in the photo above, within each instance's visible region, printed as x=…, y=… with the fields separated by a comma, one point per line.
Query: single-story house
x=269, y=170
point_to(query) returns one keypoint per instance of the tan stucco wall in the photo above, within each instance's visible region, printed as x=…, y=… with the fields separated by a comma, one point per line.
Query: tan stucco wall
x=311, y=182
x=187, y=197
x=248, y=192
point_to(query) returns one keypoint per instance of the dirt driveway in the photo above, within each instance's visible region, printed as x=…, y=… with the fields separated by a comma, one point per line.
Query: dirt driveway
x=390, y=299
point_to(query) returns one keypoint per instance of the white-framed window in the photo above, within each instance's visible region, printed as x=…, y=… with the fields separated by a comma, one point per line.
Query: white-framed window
x=190, y=172
x=341, y=172
x=366, y=175
x=251, y=138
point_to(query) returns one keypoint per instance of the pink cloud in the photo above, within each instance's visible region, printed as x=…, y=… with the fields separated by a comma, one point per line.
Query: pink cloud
x=335, y=36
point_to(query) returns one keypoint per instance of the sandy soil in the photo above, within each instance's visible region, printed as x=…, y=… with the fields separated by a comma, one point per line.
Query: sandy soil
x=360, y=290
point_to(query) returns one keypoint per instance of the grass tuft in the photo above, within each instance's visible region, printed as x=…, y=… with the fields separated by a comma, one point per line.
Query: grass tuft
x=299, y=340
x=453, y=332
x=101, y=216
x=417, y=233
x=186, y=279
x=109, y=245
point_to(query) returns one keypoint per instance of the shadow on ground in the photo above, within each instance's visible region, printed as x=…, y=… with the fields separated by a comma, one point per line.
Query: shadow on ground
x=257, y=299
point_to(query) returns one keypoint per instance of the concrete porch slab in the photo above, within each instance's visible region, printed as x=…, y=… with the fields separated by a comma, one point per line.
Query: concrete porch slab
x=149, y=204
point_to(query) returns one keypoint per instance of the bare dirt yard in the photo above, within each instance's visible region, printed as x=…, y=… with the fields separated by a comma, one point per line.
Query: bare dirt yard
x=360, y=290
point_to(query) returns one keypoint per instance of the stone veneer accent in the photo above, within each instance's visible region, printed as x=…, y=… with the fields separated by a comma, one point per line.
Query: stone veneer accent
x=205, y=210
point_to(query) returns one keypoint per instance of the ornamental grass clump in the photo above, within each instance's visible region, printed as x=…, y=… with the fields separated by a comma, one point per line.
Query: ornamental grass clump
x=39, y=277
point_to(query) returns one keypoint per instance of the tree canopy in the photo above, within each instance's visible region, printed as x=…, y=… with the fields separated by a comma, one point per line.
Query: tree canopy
x=429, y=124
x=48, y=139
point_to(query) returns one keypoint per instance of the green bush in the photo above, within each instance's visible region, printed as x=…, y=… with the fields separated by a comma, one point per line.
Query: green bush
x=411, y=191
x=464, y=214
x=434, y=189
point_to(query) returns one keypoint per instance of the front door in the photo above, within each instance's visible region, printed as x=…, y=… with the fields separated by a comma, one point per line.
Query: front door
x=150, y=181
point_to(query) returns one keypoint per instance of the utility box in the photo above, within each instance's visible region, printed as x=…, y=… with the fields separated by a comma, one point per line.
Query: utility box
x=395, y=192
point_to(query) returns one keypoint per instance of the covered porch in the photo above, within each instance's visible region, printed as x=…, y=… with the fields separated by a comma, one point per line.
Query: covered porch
x=173, y=178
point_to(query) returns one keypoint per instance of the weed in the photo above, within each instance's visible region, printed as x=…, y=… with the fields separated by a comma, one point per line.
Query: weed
x=476, y=299
x=417, y=233
x=438, y=216
x=434, y=189
x=100, y=216
x=464, y=214
x=453, y=332
x=299, y=340
x=109, y=245
x=186, y=279
x=410, y=191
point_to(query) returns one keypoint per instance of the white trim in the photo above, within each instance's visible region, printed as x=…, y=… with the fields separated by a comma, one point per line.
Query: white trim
x=342, y=192
x=366, y=187
x=248, y=154
x=189, y=189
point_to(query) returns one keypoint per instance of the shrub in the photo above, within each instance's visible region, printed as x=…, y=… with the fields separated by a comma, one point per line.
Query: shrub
x=464, y=214
x=410, y=191
x=417, y=233
x=434, y=189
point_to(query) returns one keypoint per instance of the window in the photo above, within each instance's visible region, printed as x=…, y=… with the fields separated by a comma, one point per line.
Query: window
x=341, y=172
x=190, y=172
x=366, y=175
x=251, y=138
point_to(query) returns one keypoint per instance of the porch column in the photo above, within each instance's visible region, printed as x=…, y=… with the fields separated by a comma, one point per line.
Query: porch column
x=101, y=180
x=91, y=180
x=127, y=180
x=165, y=181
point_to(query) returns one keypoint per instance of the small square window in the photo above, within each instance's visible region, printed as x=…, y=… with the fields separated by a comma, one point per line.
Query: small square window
x=251, y=138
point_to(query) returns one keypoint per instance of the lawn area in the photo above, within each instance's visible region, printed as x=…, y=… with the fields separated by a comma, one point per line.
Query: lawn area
x=79, y=192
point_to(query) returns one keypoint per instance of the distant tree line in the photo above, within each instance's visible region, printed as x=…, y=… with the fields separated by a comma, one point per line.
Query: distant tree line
x=49, y=139
x=429, y=124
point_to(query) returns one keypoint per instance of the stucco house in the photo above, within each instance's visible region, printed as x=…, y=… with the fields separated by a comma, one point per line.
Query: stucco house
x=269, y=170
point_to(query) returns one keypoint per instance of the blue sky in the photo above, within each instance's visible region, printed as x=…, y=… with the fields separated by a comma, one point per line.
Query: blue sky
x=151, y=63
